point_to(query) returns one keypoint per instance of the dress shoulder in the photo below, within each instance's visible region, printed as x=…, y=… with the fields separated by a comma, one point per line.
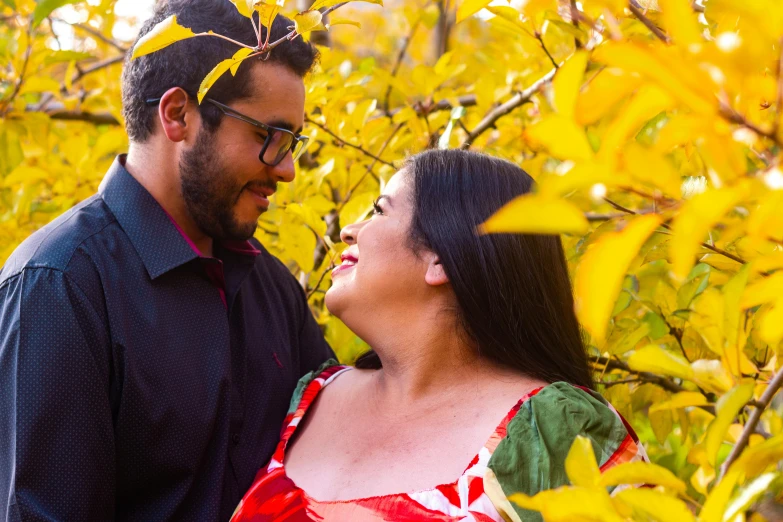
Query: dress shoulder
x=323, y=372
x=531, y=457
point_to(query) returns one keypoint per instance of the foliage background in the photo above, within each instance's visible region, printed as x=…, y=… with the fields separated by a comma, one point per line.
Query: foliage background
x=652, y=128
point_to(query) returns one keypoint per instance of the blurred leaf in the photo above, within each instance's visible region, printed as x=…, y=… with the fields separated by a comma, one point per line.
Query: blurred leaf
x=654, y=359
x=43, y=8
x=567, y=82
x=727, y=408
x=600, y=274
x=532, y=214
x=470, y=7
x=580, y=464
x=654, y=505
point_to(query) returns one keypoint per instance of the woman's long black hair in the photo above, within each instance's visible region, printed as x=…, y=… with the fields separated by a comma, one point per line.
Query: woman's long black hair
x=513, y=292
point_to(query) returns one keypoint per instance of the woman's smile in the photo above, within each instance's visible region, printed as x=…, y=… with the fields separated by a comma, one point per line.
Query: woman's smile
x=348, y=262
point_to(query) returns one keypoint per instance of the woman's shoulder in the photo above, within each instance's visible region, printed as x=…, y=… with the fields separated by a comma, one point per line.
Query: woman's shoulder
x=532, y=456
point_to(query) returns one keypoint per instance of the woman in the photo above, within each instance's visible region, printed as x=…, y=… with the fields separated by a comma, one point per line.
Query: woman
x=478, y=381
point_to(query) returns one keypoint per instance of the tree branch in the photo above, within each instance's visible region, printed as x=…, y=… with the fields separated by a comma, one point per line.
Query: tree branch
x=750, y=427
x=343, y=142
x=96, y=34
x=498, y=112
x=637, y=12
x=20, y=80
x=89, y=117
x=663, y=382
x=97, y=67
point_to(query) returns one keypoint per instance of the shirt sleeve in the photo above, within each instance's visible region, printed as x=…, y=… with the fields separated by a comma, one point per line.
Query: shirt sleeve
x=313, y=348
x=56, y=430
x=531, y=458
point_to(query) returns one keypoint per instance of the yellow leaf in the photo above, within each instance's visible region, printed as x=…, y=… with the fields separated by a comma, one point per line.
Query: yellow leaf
x=645, y=104
x=653, y=169
x=765, y=290
x=306, y=21
x=561, y=137
x=320, y=4
x=642, y=59
x=711, y=375
x=681, y=400
x=655, y=505
x=567, y=82
x=213, y=76
x=757, y=459
x=267, y=13
x=569, y=504
x=580, y=464
x=654, y=359
x=162, y=35
x=533, y=214
x=726, y=410
x=343, y=21
x=749, y=494
x=701, y=478
x=641, y=473
x=600, y=273
x=357, y=208
x=771, y=324
x=715, y=504
x=691, y=226
x=680, y=23
x=603, y=92
x=238, y=57
x=470, y=7
x=580, y=176
x=24, y=174
x=245, y=7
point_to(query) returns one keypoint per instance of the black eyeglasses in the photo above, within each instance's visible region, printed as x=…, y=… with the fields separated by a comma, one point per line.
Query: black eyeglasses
x=277, y=143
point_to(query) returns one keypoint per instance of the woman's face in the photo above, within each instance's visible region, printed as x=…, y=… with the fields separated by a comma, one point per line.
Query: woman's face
x=379, y=271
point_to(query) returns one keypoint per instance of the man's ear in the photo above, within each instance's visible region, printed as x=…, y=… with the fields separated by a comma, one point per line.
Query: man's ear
x=176, y=115
x=435, y=275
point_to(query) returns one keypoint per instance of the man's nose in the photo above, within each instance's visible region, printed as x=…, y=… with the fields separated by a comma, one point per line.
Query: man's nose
x=285, y=171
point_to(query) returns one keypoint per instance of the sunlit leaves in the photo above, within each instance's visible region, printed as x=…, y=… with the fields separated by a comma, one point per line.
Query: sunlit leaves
x=610, y=257
x=727, y=408
x=567, y=82
x=580, y=464
x=468, y=8
x=533, y=214
x=162, y=35
x=307, y=21
x=655, y=359
x=232, y=63
x=638, y=473
x=321, y=4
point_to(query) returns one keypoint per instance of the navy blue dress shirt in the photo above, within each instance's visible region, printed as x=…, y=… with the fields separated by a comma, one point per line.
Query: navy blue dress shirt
x=128, y=389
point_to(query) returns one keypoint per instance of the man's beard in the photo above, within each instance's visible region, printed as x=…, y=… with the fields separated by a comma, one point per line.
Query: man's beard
x=210, y=193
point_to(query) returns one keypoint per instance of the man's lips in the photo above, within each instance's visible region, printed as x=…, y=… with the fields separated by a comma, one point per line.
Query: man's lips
x=260, y=195
x=348, y=262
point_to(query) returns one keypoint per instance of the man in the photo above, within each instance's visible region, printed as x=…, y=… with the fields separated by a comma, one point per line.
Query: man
x=148, y=346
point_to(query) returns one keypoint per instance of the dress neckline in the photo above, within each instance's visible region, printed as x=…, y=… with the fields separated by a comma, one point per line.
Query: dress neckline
x=312, y=390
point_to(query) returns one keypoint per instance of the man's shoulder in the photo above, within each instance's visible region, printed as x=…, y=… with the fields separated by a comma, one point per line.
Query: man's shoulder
x=53, y=246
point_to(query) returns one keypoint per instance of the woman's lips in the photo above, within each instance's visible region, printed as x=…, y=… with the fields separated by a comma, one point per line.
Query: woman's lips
x=348, y=262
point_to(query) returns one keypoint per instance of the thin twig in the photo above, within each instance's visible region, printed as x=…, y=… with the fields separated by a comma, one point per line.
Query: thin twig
x=779, y=104
x=613, y=364
x=398, y=62
x=20, y=80
x=342, y=141
x=320, y=280
x=543, y=46
x=372, y=165
x=96, y=118
x=498, y=112
x=633, y=6
x=750, y=427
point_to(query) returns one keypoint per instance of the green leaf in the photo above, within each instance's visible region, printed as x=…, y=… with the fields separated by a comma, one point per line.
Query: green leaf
x=658, y=326
x=66, y=56
x=10, y=3
x=45, y=7
x=162, y=35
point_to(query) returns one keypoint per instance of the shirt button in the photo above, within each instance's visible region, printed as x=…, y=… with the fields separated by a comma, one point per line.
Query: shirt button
x=235, y=438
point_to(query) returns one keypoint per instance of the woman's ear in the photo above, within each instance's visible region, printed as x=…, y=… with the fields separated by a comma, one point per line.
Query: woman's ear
x=435, y=275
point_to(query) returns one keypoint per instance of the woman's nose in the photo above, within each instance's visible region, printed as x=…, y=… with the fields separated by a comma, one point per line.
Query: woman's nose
x=348, y=233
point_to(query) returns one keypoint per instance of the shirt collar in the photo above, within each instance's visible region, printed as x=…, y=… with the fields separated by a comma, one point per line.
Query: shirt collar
x=144, y=221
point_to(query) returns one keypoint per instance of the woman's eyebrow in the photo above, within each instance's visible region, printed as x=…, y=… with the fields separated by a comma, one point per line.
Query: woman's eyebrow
x=387, y=198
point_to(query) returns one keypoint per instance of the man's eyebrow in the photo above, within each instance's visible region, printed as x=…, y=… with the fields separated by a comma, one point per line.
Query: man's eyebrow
x=283, y=125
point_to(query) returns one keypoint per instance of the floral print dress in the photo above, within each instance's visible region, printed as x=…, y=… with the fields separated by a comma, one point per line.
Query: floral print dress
x=526, y=453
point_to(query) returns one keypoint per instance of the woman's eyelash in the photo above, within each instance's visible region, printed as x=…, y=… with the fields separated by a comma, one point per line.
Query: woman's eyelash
x=376, y=209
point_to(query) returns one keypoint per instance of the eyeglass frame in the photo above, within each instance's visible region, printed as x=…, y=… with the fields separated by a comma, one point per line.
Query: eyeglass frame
x=269, y=129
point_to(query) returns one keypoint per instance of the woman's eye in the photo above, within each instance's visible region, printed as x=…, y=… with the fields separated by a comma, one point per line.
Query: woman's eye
x=376, y=209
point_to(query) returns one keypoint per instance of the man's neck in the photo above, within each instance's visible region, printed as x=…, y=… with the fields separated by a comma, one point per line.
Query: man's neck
x=161, y=180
